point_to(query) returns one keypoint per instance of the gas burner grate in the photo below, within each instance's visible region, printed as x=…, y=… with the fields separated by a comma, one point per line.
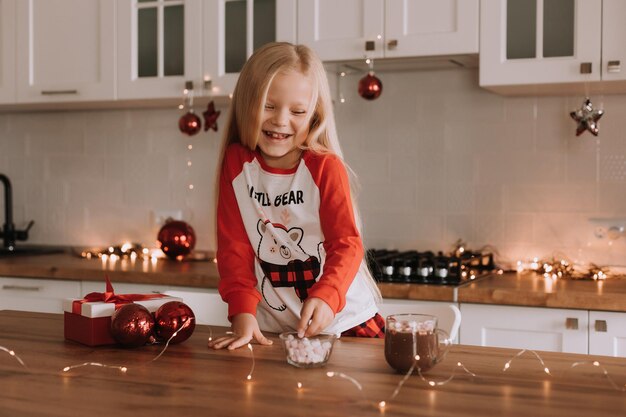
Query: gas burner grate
x=428, y=267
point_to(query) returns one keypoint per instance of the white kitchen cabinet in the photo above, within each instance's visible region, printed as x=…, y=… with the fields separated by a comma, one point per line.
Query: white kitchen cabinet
x=607, y=333
x=445, y=314
x=550, y=42
x=206, y=304
x=547, y=329
x=162, y=44
x=392, y=28
x=39, y=295
x=159, y=47
x=7, y=51
x=233, y=29
x=65, y=50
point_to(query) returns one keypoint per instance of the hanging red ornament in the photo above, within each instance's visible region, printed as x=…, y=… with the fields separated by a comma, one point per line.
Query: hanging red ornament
x=210, y=117
x=370, y=87
x=176, y=239
x=174, y=317
x=132, y=325
x=189, y=123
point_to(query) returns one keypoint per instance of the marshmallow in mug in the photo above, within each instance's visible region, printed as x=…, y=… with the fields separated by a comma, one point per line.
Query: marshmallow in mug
x=423, y=327
x=307, y=351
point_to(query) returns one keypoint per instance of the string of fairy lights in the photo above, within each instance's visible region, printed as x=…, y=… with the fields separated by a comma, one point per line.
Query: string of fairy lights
x=381, y=405
x=121, y=368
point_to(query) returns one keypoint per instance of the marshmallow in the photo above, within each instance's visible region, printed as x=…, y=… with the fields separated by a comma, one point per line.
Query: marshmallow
x=306, y=351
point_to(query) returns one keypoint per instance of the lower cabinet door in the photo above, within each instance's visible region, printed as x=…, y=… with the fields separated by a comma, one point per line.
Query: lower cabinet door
x=607, y=333
x=547, y=329
x=207, y=305
x=38, y=295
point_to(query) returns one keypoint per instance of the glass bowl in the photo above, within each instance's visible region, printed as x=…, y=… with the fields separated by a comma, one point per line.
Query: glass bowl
x=307, y=352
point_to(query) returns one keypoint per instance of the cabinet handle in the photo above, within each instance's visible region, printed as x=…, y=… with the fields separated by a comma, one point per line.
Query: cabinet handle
x=20, y=288
x=58, y=92
x=585, y=68
x=571, y=323
x=370, y=45
x=613, y=66
x=600, y=326
x=392, y=44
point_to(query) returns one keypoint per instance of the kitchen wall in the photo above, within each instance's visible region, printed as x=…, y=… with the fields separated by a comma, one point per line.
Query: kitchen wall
x=438, y=158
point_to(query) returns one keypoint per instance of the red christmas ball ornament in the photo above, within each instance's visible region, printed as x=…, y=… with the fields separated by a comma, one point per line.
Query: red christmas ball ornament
x=176, y=239
x=132, y=325
x=189, y=123
x=370, y=87
x=174, y=317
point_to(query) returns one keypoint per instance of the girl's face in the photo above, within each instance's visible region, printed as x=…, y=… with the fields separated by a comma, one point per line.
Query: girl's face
x=285, y=120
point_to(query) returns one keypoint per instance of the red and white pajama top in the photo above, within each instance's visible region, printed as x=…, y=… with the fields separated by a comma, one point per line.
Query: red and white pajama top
x=286, y=235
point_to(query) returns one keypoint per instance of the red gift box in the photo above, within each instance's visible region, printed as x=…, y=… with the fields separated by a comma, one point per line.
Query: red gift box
x=88, y=320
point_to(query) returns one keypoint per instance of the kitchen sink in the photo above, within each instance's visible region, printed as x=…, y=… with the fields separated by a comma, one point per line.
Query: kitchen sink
x=30, y=251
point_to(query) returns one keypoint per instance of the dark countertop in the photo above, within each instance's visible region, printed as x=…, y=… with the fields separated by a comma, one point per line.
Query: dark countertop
x=520, y=289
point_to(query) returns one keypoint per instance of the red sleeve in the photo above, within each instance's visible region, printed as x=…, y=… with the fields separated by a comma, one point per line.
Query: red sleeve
x=235, y=256
x=342, y=241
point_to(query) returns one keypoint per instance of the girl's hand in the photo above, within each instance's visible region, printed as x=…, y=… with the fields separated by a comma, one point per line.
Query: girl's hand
x=315, y=315
x=244, y=328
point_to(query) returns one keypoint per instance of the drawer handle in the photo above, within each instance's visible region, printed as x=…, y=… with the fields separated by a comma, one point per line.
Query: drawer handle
x=392, y=44
x=58, y=92
x=585, y=68
x=20, y=288
x=571, y=323
x=613, y=66
x=600, y=326
x=370, y=45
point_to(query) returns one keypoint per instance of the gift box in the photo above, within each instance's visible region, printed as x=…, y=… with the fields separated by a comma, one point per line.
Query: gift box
x=88, y=320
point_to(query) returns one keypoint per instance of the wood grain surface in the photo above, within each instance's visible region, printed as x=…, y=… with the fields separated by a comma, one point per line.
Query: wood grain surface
x=65, y=266
x=533, y=290
x=192, y=380
x=523, y=289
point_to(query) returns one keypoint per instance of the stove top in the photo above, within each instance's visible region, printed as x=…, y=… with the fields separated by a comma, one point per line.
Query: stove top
x=428, y=267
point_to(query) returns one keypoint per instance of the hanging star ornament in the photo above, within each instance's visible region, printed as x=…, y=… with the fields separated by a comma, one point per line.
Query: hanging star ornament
x=210, y=117
x=587, y=118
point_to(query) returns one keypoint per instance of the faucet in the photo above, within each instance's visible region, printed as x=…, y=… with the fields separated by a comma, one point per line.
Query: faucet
x=9, y=234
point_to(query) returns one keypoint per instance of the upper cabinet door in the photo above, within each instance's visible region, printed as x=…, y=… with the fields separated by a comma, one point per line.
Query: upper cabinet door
x=65, y=50
x=7, y=51
x=233, y=29
x=159, y=47
x=541, y=41
x=431, y=27
x=613, y=39
x=342, y=30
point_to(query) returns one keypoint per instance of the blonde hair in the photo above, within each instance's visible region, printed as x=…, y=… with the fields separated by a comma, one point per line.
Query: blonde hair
x=248, y=101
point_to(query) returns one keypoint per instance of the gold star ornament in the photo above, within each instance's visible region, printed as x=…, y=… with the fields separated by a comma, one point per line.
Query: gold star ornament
x=587, y=118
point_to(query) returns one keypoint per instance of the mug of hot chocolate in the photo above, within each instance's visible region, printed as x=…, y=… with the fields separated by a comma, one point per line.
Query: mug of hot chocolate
x=414, y=341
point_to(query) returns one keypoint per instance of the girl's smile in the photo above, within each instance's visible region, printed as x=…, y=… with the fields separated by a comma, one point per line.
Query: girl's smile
x=276, y=135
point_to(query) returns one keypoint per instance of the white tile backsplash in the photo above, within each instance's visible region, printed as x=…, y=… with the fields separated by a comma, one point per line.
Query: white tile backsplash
x=438, y=159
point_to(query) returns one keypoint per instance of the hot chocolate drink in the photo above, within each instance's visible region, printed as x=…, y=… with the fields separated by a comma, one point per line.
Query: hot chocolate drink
x=403, y=349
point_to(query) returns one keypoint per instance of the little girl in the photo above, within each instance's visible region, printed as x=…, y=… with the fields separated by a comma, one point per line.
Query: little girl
x=290, y=255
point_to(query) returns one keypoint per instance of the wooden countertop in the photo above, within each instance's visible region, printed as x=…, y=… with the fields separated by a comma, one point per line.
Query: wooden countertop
x=192, y=380
x=202, y=274
x=521, y=289
x=533, y=290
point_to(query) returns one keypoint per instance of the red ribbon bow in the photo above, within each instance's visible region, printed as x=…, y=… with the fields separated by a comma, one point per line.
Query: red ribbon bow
x=109, y=296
